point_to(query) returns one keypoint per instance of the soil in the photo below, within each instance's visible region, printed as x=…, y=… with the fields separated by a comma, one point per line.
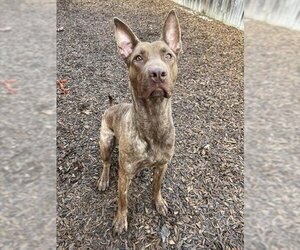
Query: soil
x=204, y=184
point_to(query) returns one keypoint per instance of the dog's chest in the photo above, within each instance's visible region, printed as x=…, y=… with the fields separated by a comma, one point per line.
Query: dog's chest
x=149, y=143
x=152, y=153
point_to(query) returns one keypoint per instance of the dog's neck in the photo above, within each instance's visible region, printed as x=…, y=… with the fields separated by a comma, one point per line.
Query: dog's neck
x=152, y=117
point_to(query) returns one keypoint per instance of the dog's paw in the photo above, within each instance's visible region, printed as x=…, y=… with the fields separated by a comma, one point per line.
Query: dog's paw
x=120, y=224
x=103, y=183
x=161, y=206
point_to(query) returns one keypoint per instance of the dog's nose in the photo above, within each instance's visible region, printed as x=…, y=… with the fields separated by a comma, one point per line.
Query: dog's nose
x=157, y=74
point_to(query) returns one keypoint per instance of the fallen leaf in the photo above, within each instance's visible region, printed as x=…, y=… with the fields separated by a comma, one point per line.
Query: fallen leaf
x=7, y=83
x=62, y=87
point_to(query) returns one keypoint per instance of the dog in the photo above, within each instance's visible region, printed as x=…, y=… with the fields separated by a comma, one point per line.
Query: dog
x=143, y=129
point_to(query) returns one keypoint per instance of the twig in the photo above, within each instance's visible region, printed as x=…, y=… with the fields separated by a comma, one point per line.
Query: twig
x=5, y=29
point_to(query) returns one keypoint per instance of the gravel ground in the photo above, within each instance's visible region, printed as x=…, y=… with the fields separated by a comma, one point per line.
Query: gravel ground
x=205, y=201
x=204, y=183
x=27, y=125
x=272, y=137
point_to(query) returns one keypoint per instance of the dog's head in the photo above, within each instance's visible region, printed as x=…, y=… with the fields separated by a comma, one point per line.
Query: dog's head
x=152, y=66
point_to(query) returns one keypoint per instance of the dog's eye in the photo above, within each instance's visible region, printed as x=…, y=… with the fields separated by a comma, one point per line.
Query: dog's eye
x=168, y=56
x=138, y=58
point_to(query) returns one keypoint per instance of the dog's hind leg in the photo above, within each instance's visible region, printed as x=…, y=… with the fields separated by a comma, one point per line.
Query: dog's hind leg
x=107, y=144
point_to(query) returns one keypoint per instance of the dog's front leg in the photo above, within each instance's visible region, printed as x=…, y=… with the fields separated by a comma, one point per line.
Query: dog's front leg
x=120, y=221
x=160, y=203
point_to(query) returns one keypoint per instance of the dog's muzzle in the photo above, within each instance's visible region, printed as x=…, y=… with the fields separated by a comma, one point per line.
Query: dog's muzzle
x=158, y=77
x=160, y=92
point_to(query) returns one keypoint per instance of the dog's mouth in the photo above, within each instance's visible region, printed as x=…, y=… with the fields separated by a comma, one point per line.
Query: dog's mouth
x=160, y=92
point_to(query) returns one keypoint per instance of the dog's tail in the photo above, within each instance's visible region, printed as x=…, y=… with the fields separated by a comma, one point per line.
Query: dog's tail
x=111, y=101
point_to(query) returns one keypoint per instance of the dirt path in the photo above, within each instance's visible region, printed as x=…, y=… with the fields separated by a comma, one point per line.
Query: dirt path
x=204, y=182
x=272, y=142
x=27, y=125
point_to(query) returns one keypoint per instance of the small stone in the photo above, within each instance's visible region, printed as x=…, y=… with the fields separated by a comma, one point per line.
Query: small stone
x=164, y=233
x=48, y=112
x=171, y=242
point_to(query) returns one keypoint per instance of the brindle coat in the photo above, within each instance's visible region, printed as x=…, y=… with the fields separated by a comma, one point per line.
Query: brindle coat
x=144, y=129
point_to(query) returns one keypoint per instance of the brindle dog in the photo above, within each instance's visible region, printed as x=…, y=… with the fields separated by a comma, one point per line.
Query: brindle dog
x=144, y=129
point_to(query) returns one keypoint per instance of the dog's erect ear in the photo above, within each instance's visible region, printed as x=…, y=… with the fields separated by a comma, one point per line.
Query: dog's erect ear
x=171, y=32
x=125, y=38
